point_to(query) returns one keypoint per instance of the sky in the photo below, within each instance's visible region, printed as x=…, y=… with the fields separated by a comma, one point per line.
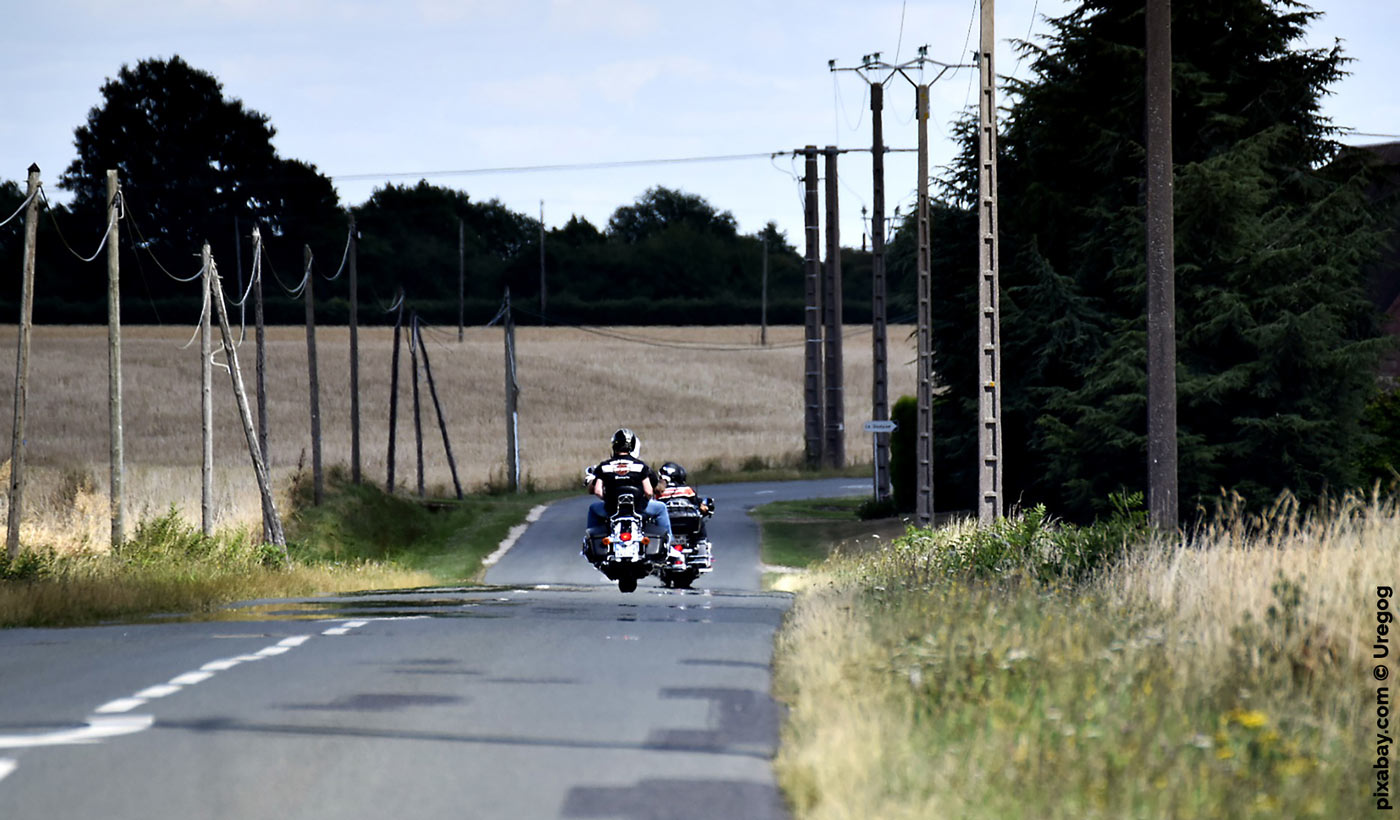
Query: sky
x=393, y=92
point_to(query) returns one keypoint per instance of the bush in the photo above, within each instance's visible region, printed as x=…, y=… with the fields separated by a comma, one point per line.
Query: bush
x=29, y=565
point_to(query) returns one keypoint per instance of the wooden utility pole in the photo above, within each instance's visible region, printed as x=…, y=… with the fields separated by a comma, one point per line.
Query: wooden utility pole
x=923, y=501
x=812, y=349
x=394, y=396
x=512, y=399
x=26, y=314
x=261, y=365
x=417, y=411
x=989, y=434
x=116, y=462
x=834, y=447
x=269, y=506
x=461, y=280
x=880, y=407
x=318, y=486
x=542, y=291
x=763, y=299
x=442, y=422
x=1161, y=275
x=354, y=351
x=206, y=397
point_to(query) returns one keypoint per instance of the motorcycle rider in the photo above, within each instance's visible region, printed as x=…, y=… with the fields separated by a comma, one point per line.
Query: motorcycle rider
x=625, y=471
x=673, y=485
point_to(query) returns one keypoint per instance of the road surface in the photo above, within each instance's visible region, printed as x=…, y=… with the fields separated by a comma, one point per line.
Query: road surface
x=547, y=694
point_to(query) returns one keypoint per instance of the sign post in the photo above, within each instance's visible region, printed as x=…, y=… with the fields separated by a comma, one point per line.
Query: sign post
x=875, y=428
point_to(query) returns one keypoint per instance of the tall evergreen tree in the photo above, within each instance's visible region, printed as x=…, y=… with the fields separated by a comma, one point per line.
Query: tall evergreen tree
x=1276, y=342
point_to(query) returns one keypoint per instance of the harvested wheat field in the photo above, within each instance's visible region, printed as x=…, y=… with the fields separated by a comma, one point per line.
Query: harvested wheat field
x=703, y=396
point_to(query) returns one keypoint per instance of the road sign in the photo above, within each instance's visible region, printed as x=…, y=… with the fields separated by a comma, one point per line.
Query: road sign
x=880, y=426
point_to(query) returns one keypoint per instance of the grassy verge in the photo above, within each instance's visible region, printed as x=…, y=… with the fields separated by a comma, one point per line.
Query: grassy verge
x=802, y=533
x=1009, y=673
x=360, y=538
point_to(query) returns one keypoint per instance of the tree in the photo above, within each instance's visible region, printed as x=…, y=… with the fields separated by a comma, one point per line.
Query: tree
x=190, y=162
x=660, y=208
x=1276, y=341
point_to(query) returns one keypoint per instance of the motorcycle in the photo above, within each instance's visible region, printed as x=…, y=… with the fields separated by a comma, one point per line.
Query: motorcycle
x=627, y=551
x=686, y=521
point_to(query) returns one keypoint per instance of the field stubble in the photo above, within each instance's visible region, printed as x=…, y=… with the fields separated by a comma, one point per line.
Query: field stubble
x=701, y=396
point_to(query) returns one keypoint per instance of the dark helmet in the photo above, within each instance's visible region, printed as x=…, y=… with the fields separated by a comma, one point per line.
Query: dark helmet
x=625, y=441
x=672, y=472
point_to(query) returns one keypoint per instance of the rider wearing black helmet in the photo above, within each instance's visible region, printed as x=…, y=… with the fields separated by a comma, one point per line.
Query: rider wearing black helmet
x=673, y=485
x=624, y=471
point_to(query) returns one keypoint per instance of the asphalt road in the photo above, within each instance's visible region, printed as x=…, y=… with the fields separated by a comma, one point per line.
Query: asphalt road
x=549, y=694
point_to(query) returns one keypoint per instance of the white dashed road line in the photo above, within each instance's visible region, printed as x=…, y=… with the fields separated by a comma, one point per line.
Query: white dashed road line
x=108, y=721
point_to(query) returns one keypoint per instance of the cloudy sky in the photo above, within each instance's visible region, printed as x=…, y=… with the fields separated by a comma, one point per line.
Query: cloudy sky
x=394, y=91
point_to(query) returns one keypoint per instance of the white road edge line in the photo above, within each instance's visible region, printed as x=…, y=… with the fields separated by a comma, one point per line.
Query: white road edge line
x=513, y=536
x=97, y=728
x=6, y=767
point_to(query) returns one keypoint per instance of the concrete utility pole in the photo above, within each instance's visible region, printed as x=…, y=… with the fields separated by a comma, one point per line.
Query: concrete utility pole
x=116, y=463
x=879, y=400
x=1161, y=276
x=989, y=438
x=923, y=499
x=876, y=72
x=835, y=442
x=812, y=391
x=26, y=314
x=354, y=351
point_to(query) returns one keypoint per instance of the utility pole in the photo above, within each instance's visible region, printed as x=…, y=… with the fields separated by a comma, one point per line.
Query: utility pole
x=394, y=397
x=417, y=408
x=923, y=502
x=117, y=464
x=512, y=397
x=989, y=434
x=763, y=300
x=261, y=368
x=542, y=290
x=354, y=351
x=461, y=279
x=269, y=506
x=835, y=443
x=318, y=487
x=26, y=322
x=206, y=397
x=1161, y=276
x=812, y=358
x=880, y=407
x=876, y=72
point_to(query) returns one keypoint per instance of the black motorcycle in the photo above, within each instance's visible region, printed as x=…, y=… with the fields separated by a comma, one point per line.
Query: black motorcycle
x=628, y=550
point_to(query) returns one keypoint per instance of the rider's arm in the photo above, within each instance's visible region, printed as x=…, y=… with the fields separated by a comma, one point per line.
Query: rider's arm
x=596, y=487
x=647, y=488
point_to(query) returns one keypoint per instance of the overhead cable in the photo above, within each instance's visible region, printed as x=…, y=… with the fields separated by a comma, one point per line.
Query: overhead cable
x=22, y=205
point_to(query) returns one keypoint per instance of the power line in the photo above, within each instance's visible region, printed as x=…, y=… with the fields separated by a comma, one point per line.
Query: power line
x=523, y=169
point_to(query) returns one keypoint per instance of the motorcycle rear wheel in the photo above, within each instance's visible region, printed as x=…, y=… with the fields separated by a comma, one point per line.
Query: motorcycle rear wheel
x=627, y=584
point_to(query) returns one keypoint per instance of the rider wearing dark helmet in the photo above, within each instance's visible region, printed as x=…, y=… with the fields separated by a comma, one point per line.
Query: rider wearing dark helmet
x=673, y=485
x=624, y=471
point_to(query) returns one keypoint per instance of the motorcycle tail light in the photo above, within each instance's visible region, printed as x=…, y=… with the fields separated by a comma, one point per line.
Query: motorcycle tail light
x=627, y=536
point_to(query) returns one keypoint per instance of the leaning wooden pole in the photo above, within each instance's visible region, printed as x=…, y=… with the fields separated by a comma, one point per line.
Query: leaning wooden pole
x=269, y=505
x=116, y=460
x=442, y=422
x=26, y=314
x=512, y=407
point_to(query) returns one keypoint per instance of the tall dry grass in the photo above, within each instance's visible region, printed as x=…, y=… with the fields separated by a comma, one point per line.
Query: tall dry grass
x=1227, y=677
x=701, y=396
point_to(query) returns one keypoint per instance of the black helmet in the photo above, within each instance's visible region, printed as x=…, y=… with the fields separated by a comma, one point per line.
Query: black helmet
x=625, y=441
x=673, y=473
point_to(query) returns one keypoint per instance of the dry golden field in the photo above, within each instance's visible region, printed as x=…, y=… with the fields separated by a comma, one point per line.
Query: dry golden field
x=695, y=395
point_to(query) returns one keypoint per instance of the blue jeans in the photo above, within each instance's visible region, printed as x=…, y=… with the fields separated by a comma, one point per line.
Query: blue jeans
x=598, y=516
